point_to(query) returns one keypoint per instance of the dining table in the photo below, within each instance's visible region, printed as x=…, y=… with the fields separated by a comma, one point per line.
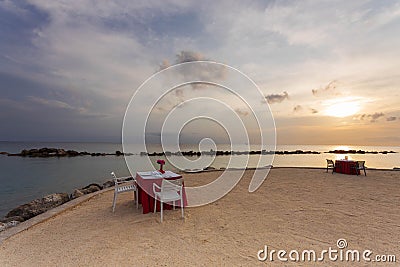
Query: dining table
x=346, y=166
x=145, y=182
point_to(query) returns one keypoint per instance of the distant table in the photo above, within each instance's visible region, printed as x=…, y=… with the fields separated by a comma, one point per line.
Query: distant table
x=346, y=167
x=145, y=181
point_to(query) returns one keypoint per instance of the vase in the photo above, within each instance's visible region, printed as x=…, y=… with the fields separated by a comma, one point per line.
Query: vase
x=161, y=169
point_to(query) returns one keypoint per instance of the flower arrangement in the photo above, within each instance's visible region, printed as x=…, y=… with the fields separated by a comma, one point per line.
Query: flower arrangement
x=162, y=163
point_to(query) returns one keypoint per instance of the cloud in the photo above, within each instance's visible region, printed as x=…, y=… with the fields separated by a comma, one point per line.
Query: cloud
x=196, y=72
x=327, y=90
x=57, y=104
x=188, y=56
x=101, y=51
x=372, y=117
x=183, y=57
x=241, y=112
x=277, y=98
x=392, y=118
x=297, y=108
x=51, y=103
x=12, y=7
x=300, y=108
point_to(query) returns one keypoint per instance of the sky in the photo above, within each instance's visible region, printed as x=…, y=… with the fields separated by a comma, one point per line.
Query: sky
x=330, y=70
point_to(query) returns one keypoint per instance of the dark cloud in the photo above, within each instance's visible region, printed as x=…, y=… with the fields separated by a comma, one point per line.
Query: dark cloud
x=327, y=90
x=372, y=117
x=189, y=56
x=183, y=57
x=197, y=72
x=392, y=118
x=277, y=98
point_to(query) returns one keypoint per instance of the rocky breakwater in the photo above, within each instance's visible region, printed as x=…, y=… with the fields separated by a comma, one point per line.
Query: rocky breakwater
x=29, y=210
x=58, y=152
x=359, y=152
x=225, y=153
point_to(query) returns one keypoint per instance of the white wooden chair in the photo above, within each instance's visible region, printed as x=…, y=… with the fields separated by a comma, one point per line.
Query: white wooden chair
x=121, y=186
x=170, y=191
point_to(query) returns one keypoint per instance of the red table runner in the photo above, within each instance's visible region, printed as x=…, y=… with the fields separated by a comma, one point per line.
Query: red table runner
x=346, y=167
x=145, y=182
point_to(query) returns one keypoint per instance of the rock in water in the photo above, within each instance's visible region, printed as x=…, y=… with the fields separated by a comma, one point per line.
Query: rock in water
x=4, y=226
x=38, y=206
x=86, y=190
x=77, y=193
x=108, y=184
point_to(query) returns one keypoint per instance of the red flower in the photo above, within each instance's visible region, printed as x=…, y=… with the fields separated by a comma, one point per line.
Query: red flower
x=161, y=161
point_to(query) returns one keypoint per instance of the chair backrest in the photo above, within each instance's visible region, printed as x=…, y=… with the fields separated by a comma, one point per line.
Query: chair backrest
x=329, y=161
x=118, y=180
x=360, y=164
x=171, y=185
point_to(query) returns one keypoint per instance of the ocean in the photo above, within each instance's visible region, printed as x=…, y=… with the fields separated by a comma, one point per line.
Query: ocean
x=24, y=179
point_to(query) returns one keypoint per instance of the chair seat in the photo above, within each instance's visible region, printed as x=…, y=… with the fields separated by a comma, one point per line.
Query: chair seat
x=168, y=196
x=126, y=188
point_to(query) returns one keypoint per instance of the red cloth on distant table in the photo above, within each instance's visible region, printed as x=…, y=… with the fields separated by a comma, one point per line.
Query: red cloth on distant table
x=346, y=167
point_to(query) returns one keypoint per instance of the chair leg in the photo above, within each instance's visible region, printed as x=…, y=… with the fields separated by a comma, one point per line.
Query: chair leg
x=183, y=216
x=114, y=201
x=137, y=198
x=161, y=204
x=155, y=204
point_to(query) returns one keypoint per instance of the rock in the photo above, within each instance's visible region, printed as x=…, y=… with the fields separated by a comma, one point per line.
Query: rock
x=13, y=218
x=77, y=193
x=4, y=226
x=3, y=153
x=109, y=183
x=72, y=153
x=93, y=185
x=86, y=190
x=61, y=153
x=91, y=188
x=38, y=206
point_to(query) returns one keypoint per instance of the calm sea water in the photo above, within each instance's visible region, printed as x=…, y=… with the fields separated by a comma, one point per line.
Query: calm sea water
x=25, y=179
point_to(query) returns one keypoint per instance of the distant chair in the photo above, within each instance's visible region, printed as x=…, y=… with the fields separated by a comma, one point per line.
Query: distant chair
x=330, y=165
x=170, y=191
x=121, y=186
x=360, y=165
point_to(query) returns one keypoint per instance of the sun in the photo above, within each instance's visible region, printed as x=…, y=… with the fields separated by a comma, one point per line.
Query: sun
x=342, y=109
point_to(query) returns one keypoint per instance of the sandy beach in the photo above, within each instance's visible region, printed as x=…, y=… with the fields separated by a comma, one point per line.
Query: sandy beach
x=294, y=209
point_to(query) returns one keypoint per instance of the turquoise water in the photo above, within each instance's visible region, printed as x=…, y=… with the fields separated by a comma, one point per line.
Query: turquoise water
x=24, y=179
